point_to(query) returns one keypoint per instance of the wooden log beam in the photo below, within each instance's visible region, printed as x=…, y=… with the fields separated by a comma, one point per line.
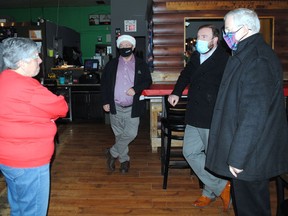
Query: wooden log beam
x=225, y=5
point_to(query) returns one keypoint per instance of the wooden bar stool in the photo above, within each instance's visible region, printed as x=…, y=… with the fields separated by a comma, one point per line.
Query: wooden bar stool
x=172, y=128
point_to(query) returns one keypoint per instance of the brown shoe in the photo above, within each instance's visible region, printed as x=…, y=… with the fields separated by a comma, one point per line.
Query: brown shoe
x=226, y=197
x=202, y=202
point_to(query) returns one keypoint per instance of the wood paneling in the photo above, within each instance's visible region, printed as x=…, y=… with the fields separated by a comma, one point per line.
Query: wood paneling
x=168, y=30
x=168, y=40
x=168, y=61
x=166, y=50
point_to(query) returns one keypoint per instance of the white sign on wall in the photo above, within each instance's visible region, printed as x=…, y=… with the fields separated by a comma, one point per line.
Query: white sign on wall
x=130, y=25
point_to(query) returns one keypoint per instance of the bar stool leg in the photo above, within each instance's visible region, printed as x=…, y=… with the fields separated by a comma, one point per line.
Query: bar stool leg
x=167, y=160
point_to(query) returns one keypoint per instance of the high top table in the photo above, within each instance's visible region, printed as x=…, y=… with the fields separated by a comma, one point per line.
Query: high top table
x=155, y=94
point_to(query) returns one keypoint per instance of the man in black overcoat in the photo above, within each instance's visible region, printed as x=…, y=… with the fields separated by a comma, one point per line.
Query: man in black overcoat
x=203, y=74
x=248, y=136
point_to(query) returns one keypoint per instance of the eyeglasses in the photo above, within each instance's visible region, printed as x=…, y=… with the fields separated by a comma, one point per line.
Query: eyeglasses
x=227, y=33
x=35, y=56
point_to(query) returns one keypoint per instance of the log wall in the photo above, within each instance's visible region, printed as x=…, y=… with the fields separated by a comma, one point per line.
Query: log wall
x=168, y=31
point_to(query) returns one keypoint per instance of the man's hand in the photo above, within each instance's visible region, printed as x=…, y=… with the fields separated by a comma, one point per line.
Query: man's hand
x=130, y=92
x=173, y=99
x=235, y=171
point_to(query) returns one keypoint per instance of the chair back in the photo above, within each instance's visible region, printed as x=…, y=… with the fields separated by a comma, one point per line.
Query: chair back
x=175, y=115
x=172, y=130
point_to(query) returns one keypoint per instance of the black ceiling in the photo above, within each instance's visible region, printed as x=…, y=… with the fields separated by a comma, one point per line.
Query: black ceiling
x=51, y=3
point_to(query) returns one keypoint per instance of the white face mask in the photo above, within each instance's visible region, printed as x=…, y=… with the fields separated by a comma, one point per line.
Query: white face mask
x=202, y=46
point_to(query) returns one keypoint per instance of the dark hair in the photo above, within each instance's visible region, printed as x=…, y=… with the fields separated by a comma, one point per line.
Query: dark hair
x=215, y=30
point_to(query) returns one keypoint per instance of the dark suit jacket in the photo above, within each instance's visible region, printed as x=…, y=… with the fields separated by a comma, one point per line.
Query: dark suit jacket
x=249, y=126
x=142, y=81
x=204, y=82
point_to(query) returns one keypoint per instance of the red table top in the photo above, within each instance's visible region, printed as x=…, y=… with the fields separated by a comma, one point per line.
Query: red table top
x=285, y=87
x=160, y=90
x=166, y=89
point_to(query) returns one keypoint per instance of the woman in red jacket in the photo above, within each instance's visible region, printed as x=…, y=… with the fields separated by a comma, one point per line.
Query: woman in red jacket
x=27, y=128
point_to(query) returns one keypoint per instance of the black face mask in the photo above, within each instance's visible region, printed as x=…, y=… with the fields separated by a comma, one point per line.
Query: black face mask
x=125, y=52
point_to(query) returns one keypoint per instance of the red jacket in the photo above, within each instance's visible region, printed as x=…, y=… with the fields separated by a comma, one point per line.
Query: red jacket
x=27, y=114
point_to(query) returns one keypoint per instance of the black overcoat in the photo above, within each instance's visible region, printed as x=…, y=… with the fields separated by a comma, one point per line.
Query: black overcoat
x=249, y=126
x=204, y=80
x=142, y=81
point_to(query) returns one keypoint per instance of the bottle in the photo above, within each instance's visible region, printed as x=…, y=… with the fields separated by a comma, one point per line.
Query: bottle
x=70, y=77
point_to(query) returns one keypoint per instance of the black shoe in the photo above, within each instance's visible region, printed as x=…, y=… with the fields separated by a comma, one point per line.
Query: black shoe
x=110, y=160
x=124, y=167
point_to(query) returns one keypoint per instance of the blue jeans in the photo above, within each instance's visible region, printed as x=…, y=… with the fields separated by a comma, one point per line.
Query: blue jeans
x=28, y=190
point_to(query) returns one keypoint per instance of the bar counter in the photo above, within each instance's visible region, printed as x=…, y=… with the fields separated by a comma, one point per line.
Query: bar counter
x=76, y=86
x=155, y=94
x=160, y=90
x=83, y=100
x=166, y=89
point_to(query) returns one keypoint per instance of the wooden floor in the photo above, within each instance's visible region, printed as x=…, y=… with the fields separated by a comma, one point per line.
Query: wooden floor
x=81, y=184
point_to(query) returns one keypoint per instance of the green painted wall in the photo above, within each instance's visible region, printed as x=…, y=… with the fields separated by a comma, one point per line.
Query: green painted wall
x=76, y=18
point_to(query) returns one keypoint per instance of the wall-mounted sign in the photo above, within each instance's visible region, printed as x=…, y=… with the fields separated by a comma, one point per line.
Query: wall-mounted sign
x=130, y=25
x=99, y=19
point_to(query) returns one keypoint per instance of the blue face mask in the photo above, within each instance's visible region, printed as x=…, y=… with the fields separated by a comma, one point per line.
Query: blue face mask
x=202, y=46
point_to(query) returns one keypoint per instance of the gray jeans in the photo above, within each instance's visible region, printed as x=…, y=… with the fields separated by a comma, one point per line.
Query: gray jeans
x=125, y=130
x=194, y=148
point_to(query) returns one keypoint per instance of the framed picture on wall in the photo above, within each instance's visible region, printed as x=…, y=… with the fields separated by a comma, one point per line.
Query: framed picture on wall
x=130, y=25
x=94, y=19
x=35, y=34
x=105, y=19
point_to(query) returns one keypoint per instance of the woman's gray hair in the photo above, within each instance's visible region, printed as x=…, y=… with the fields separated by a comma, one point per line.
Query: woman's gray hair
x=1, y=58
x=16, y=49
x=247, y=17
